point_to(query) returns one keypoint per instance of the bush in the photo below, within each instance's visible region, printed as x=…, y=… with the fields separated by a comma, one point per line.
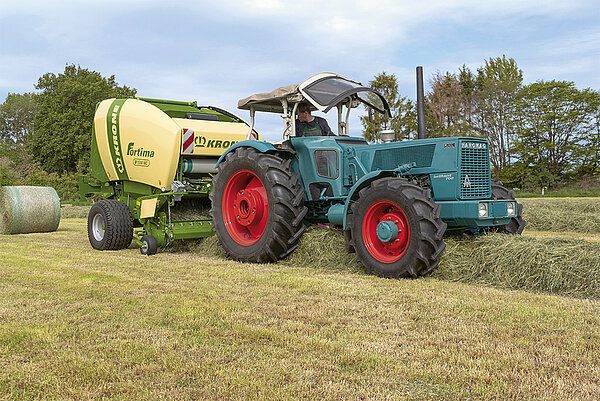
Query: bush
x=66, y=185
x=7, y=174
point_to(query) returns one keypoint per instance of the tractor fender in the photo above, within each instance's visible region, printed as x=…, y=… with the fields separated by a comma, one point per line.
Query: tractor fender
x=261, y=146
x=363, y=182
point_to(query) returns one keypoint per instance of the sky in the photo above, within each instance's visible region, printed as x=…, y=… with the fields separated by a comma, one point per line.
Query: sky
x=221, y=51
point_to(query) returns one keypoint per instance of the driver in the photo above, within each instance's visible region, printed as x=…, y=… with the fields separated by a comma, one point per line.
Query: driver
x=309, y=125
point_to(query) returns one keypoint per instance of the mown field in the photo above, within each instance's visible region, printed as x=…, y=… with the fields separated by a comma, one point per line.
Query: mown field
x=502, y=318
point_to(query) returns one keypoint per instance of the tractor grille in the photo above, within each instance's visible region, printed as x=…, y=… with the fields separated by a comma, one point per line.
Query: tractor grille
x=389, y=159
x=474, y=171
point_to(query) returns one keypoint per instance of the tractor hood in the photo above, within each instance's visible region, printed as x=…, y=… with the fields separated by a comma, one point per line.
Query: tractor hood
x=323, y=91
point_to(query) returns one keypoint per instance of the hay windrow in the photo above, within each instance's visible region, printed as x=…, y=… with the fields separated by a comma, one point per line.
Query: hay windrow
x=580, y=215
x=27, y=209
x=323, y=249
x=544, y=265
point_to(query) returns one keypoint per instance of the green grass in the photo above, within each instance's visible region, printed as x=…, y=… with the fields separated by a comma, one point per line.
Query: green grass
x=80, y=324
x=561, y=193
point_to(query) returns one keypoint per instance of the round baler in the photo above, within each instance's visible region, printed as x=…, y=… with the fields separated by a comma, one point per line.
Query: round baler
x=151, y=166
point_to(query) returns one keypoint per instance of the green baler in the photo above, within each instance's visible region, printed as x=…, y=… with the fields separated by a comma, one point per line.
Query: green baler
x=151, y=162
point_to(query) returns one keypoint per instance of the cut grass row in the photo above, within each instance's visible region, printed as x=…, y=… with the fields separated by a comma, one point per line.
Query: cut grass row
x=80, y=324
x=580, y=215
x=545, y=265
x=556, y=262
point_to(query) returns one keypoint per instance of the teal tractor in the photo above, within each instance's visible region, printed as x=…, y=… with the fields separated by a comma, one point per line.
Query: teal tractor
x=394, y=201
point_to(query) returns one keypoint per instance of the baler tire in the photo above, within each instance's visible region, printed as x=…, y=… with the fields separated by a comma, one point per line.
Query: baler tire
x=420, y=243
x=516, y=224
x=110, y=226
x=149, y=245
x=249, y=181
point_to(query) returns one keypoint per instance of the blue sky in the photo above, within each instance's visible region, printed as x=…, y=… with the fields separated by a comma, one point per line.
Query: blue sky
x=218, y=52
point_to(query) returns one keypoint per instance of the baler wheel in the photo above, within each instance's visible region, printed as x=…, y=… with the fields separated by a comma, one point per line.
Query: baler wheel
x=396, y=229
x=516, y=224
x=149, y=245
x=257, y=206
x=110, y=226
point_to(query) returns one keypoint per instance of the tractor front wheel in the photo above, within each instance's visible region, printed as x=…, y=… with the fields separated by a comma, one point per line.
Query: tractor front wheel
x=257, y=206
x=396, y=229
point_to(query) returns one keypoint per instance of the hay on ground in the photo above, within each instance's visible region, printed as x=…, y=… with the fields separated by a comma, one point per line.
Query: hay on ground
x=580, y=215
x=544, y=265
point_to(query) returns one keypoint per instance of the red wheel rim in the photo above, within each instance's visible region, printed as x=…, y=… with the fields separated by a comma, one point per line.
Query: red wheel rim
x=245, y=207
x=391, y=251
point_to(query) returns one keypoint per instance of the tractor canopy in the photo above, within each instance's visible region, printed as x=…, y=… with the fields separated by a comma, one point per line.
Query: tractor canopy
x=322, y=91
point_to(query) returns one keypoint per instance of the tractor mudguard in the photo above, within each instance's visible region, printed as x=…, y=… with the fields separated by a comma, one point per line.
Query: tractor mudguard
x=364, y=182
x=261, y=146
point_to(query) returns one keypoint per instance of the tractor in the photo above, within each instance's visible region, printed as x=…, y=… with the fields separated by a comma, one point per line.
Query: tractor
x=394, y=200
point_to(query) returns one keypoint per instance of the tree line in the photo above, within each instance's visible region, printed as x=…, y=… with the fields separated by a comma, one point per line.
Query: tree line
x=45, y=137
x=546, y=133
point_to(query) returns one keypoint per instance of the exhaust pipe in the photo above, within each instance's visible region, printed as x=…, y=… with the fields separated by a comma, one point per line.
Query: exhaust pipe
x=421, y=132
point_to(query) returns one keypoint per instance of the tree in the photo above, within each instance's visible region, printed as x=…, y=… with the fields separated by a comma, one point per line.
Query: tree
x=589, y=154
x=555, y=119
x=63, y=123
x=497, y=85
x=449, y=106
x=404, y=117
x=16, y=120
x=468, y=85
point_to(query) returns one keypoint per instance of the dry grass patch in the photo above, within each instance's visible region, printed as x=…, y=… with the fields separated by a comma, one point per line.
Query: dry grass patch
x=580, y=215
x=77, y=323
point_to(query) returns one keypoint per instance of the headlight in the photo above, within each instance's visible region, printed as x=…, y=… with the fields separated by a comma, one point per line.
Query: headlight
x=483, y=209
x=511, y=209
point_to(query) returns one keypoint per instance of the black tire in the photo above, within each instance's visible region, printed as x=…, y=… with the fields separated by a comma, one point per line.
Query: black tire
x=110, y=226
x=416, y=250
x=149, y=245
x=275, y=230
x=516, y=224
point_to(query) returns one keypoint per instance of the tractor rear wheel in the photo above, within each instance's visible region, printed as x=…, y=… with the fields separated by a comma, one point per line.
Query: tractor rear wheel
x=396, y=229
x=257, y=206
x=109, y=225
x=516, y=224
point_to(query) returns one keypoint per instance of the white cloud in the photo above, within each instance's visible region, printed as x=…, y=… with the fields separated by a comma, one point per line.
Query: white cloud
x=219, y=52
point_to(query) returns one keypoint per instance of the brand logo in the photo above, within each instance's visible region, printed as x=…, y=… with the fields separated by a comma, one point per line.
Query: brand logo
x=449, y=145
x=202, y=142
x=467, y=182
x=115, y=139
x=140, y=152
x=474, y=145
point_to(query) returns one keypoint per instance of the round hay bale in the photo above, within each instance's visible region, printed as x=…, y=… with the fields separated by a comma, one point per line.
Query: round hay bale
x=28, y=210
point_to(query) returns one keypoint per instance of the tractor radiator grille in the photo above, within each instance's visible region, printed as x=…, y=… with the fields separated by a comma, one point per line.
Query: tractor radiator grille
x=389, y=159
x=474, y=172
